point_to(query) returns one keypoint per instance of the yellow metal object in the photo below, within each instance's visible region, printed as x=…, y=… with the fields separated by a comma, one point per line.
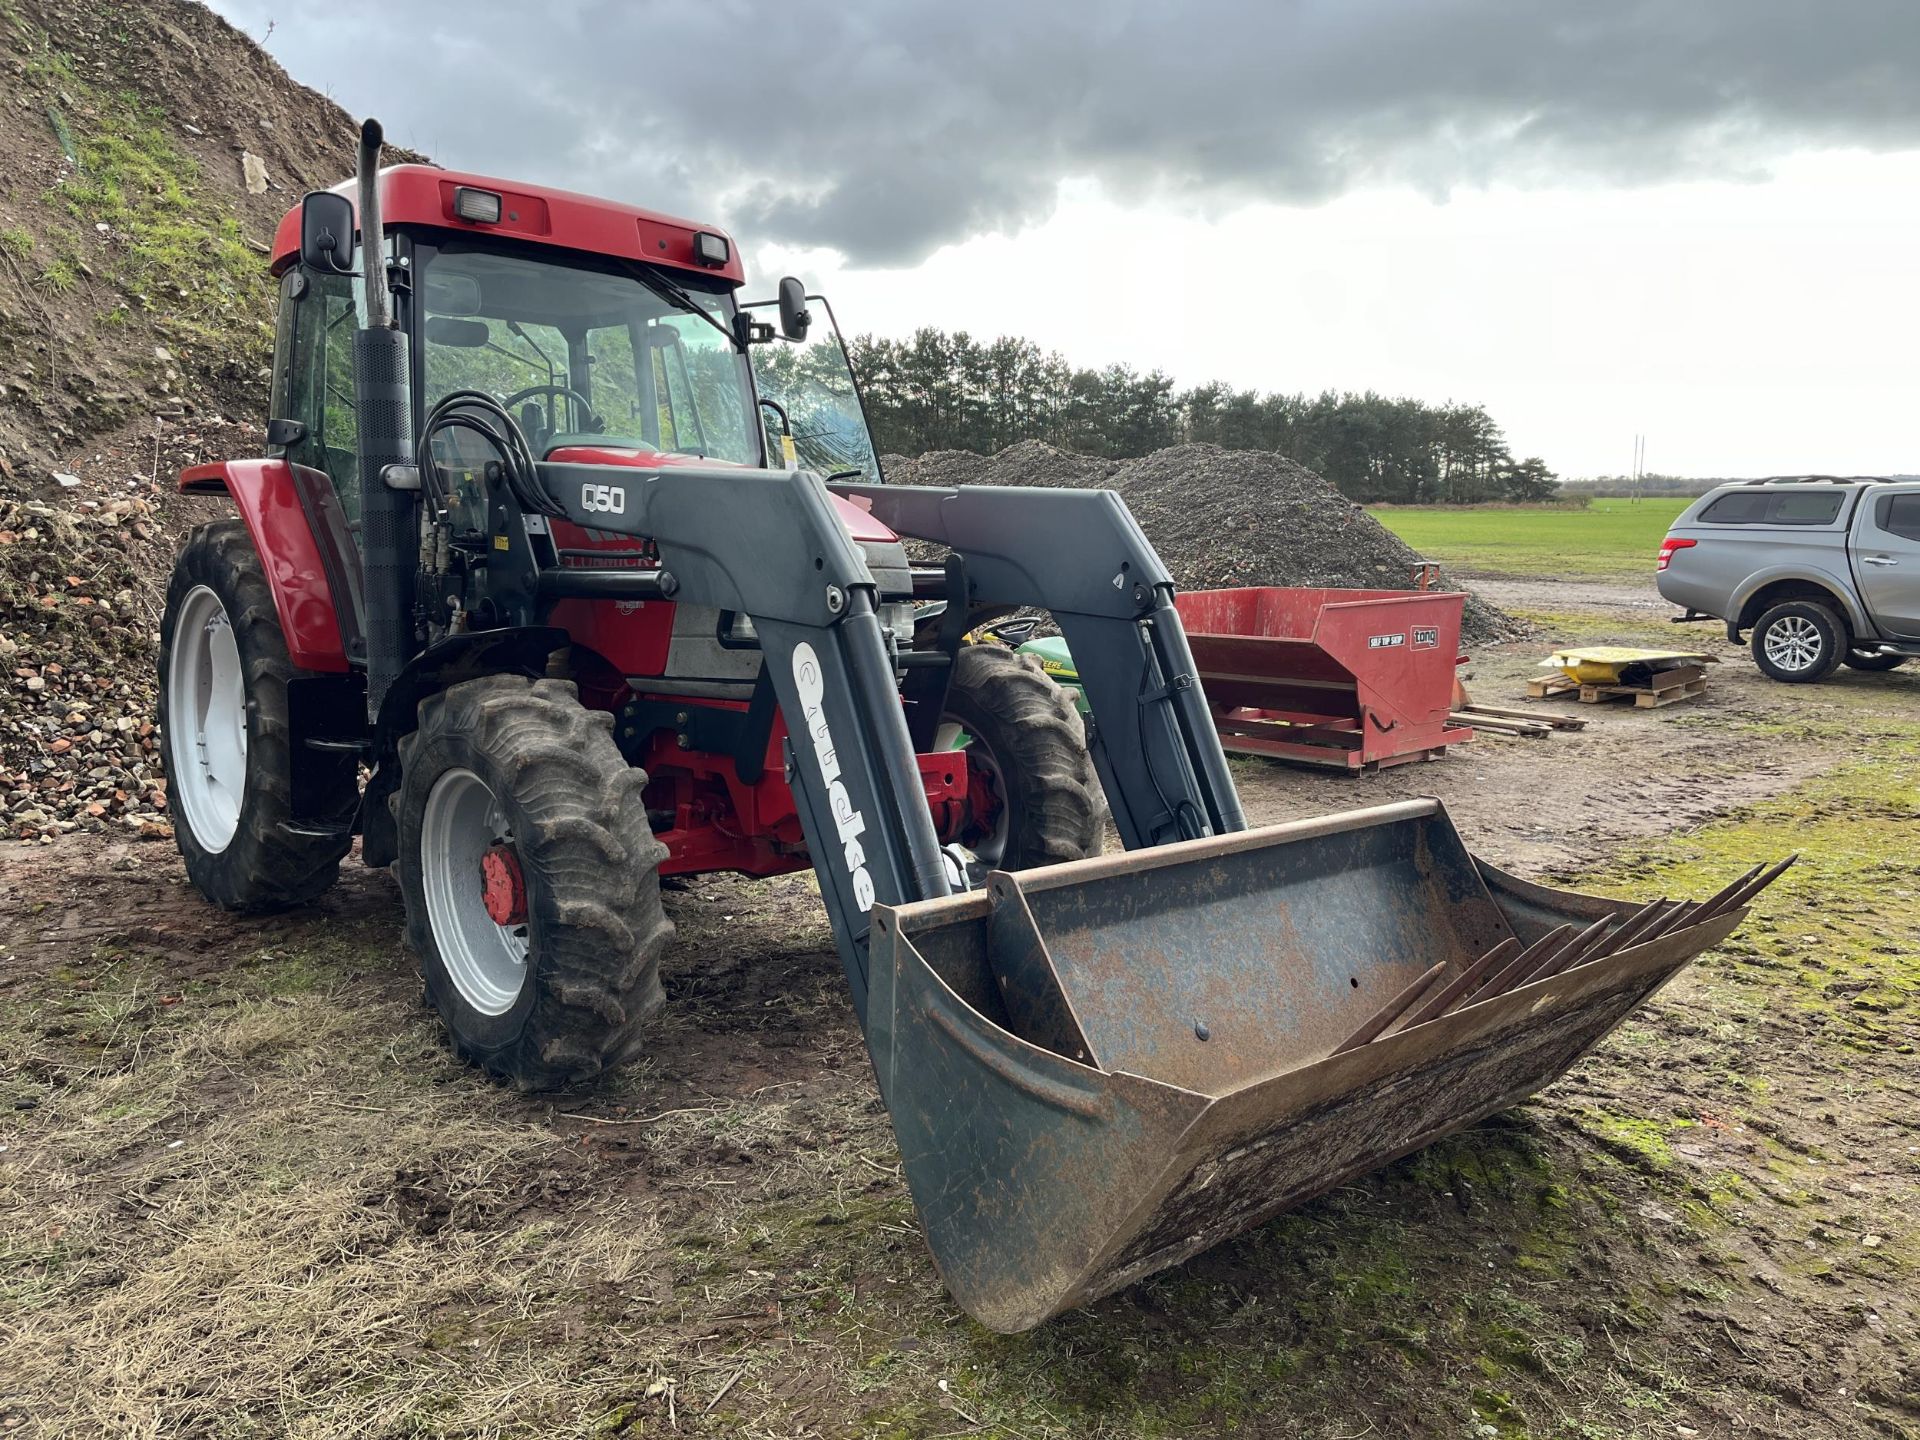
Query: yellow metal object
x=1602, y=664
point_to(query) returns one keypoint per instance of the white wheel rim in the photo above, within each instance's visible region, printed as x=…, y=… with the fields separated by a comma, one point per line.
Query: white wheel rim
x=1793, y=643
x=486, y=960
x=207, y=721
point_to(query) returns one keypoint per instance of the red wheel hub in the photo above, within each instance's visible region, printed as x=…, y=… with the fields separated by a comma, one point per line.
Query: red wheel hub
x=503, y=887
x=983, y=797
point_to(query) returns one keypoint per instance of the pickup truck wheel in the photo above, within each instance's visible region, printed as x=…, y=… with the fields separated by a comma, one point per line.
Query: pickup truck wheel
x=1874, y=660
x=1799, y=642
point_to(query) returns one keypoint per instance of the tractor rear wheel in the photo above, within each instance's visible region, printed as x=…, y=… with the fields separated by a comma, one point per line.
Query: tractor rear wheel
x=1026, y=743
x=228, y=750
x=531, y=880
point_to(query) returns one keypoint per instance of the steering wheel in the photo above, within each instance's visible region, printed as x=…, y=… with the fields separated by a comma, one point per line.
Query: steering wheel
x=584, y=414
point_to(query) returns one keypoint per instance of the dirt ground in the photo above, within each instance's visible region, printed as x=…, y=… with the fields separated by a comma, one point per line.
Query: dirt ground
x=244, y=1190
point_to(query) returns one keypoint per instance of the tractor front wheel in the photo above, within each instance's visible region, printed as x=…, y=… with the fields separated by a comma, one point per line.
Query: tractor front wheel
x=228, y=751
x=1035, y=795
x=531, y=880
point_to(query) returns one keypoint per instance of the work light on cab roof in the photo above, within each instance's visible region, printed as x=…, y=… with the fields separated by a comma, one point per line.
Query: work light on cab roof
x=594, y=574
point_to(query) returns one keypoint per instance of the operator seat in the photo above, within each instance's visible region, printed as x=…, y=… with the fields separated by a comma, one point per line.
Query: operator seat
x=533, y=421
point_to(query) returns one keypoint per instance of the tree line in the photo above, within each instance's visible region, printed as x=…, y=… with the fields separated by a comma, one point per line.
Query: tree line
x=940, y=391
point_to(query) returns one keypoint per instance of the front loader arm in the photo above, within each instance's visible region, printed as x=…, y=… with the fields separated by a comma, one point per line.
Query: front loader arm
x=1081, y=555
x=766, y=544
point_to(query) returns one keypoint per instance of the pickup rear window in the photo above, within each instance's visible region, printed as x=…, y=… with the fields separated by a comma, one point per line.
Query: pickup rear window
x=1775, y=507
x=1899, y=515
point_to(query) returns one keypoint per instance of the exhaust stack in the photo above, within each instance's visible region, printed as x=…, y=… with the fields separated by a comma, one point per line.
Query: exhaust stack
x=383, y=418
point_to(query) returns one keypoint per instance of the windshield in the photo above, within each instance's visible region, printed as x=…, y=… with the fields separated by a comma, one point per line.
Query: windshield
x=583, y=355
x=813, y=382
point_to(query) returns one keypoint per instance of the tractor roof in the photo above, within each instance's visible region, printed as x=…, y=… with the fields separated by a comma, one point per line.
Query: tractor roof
x=418, y=195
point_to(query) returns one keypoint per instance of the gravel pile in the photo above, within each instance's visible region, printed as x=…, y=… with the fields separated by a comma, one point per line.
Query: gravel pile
x=1221, y=518
x=77, y=637
x=85, y=555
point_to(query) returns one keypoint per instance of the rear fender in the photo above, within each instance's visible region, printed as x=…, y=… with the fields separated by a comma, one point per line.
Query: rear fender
x=301, y=536
x=1838, y=591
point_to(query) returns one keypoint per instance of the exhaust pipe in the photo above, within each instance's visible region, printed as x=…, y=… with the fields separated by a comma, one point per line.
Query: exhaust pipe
x=384, y=426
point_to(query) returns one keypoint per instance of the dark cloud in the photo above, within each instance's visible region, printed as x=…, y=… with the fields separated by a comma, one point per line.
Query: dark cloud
x=886, y=128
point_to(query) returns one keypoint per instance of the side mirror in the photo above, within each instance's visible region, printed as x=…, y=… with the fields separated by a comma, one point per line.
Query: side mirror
x=326, y=232
x=794, y=318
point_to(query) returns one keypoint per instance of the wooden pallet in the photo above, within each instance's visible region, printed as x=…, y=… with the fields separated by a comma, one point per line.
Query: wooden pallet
x=1646, y=697
x=1669, y=687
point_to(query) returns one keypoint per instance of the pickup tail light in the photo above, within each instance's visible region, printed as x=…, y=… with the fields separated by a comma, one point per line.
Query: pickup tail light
x=1667, y=549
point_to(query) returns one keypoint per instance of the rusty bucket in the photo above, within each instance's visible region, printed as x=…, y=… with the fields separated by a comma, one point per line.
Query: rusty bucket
x=1100, y=1068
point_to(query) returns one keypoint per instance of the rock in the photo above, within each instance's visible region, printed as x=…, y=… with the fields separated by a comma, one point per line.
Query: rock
x=64, y=480
x=253, y=172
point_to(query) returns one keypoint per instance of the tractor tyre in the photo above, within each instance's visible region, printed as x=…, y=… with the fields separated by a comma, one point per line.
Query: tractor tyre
x=531, y=880
x=1799, y=642
x=227, y=745
x=1874, y=660
x=1025, y=739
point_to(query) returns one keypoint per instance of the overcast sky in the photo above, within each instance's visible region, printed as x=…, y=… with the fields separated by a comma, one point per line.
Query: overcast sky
x=1690, y=218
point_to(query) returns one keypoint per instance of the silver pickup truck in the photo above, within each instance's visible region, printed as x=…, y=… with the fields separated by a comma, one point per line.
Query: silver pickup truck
x=1822, y=571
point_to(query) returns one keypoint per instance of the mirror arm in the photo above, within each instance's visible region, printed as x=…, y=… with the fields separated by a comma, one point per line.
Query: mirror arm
x=749, y=331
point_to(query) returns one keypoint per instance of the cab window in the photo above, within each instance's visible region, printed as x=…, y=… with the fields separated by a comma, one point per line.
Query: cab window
x=584, y=353
x=313, y=358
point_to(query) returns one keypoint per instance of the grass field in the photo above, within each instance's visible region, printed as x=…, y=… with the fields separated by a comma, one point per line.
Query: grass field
x=1613, y=537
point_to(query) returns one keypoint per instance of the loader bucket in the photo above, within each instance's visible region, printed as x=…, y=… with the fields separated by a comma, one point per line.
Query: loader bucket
x=1100, y=1068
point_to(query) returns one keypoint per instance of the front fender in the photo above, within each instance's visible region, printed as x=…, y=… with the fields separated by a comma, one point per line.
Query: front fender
x=519, y=651
x=301, y=537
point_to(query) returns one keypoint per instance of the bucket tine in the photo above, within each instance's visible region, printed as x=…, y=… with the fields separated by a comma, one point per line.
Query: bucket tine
x=1503, y=980
x=1630, y=931
x=1569, y=954
x=1729, y=890
x=1392, y=1010
x=1747, y=889
x=1463, y=982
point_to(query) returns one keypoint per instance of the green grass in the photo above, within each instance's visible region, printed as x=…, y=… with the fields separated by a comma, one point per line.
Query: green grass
x=1611, y=538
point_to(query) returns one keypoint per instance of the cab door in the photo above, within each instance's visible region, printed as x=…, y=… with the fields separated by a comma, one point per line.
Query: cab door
x=811, y=403
x=1886, y=560
x=312, y=428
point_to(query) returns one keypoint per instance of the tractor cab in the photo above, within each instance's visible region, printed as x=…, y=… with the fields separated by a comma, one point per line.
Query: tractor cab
x=610, y=334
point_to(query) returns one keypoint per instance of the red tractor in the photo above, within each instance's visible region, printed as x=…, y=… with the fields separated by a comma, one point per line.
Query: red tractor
x=592, y=598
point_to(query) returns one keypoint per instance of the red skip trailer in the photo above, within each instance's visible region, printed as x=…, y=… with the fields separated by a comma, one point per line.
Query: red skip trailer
x=1350, y=678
